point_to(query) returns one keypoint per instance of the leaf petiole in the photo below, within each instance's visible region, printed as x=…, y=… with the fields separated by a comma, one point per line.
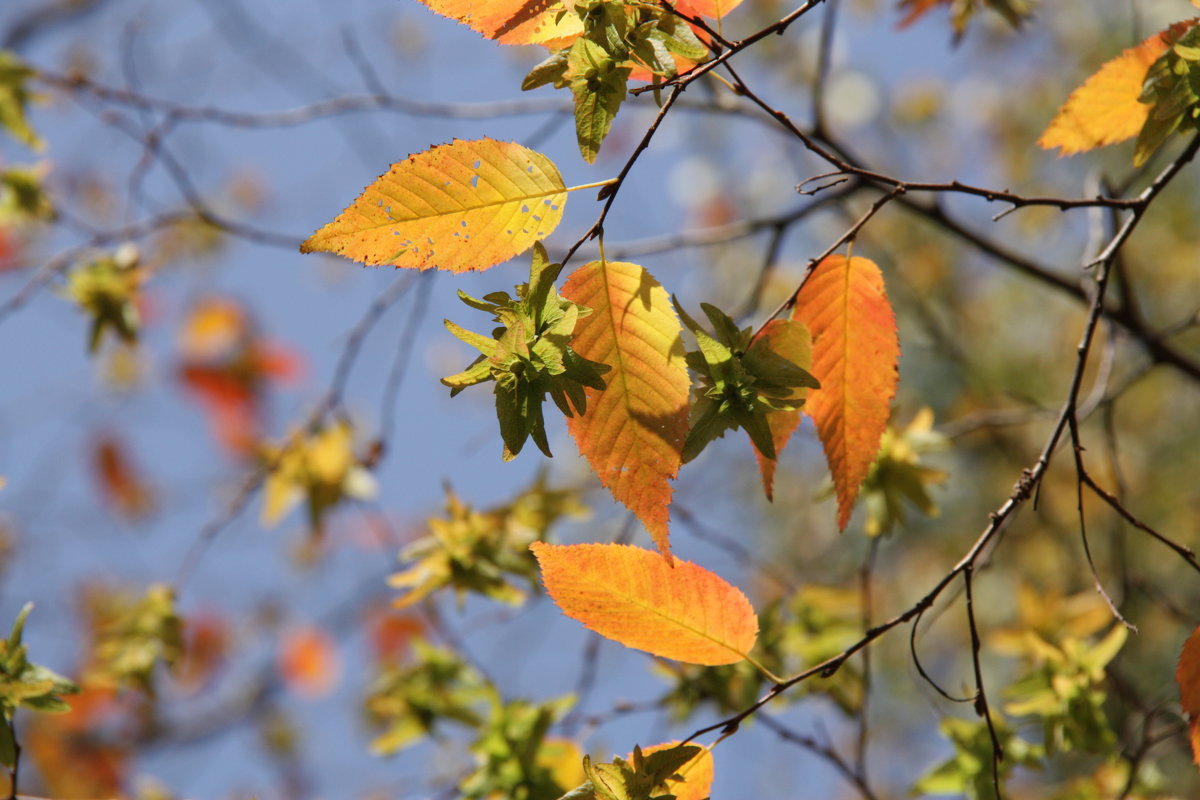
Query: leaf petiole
x=595, y=185
x=771, y=676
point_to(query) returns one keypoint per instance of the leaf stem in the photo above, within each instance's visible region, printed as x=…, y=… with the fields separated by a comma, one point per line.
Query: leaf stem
x=595, y=185
x=771, y=676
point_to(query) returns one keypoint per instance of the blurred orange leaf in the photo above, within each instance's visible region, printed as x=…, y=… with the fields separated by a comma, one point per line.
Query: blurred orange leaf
x=790, y=339
x=226, y=367
x=308, y=661
x=1187, y=675
x=635, y=597
x=855, y=350
x=1105, y=109
x=390, y=633
x=120, y=482
x=632, y=433
x=71, y=755
x=206, y=645
x=459, y=206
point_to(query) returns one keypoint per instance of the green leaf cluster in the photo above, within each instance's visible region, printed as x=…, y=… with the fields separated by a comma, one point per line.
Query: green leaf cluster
x=969, y=772
x=617, y=36
x=25, y=685
x=898, y=475
x=23, y=196
x=106, y=289
x=14, y=97
x=1172, y=89
x=135, y=638
x=511, y=751
x=528, y=356
x=642, y=778
x=1064, y=690
x=741, y=381
x=409, y=700
x=479, y=551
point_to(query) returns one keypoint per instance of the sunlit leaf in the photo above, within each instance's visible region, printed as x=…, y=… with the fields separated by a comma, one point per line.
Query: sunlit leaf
x=459, y=206
x=1105, y=109
x=632, y=432
x=855, y=350
x=790, y=339
x=508, y=21
x=635, y=597
x=695, y=777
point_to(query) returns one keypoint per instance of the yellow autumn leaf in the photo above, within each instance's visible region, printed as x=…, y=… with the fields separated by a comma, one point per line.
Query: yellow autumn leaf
x=632, y=433
x=1105, y=109
x=855, y=350
x=457, y=207
x=635, y=597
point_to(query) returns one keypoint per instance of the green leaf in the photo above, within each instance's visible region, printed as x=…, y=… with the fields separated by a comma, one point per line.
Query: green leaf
x=598, y=83
x=552, y=70
x=14, y=97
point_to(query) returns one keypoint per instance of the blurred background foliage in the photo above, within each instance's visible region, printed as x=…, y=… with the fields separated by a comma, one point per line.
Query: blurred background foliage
x=164, y=347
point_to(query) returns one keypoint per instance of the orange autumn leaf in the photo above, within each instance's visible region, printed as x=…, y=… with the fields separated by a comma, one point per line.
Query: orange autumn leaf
x=696, y=774
x=390, y=634
x=206, y=645
x=506, y=21
x=120, y=482
x=461, y=206
x=1105, y=109
x=71, y=752
x=308, y=661
x=632, y=433
x=226, y=367
x=790, y=339
x=635, y=597
x=855, y=350
x=1187, y=675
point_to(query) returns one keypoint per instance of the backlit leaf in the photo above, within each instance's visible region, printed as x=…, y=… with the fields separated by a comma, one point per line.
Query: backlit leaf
x=459, y=206
x=635, y=597
x=632, y=432
x=1187, y=675
x=790, y=339
x=507, y=21
x=120, y=481
x=1105, y=109
x=696, y=776
x=855, y=350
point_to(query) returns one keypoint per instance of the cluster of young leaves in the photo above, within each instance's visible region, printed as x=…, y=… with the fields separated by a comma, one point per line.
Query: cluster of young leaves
x=898, y=475
x=1063, y=686
x=1149, y=91
x=480, y=551
x=617, y=37
x=23, y=196
x=972, y=771
x=132, y=637
x=529, y=356
x=14, y=98
x=24, y=684
x=107, y=289
x=743, y=379
x=408, y=700
x=320, y=468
